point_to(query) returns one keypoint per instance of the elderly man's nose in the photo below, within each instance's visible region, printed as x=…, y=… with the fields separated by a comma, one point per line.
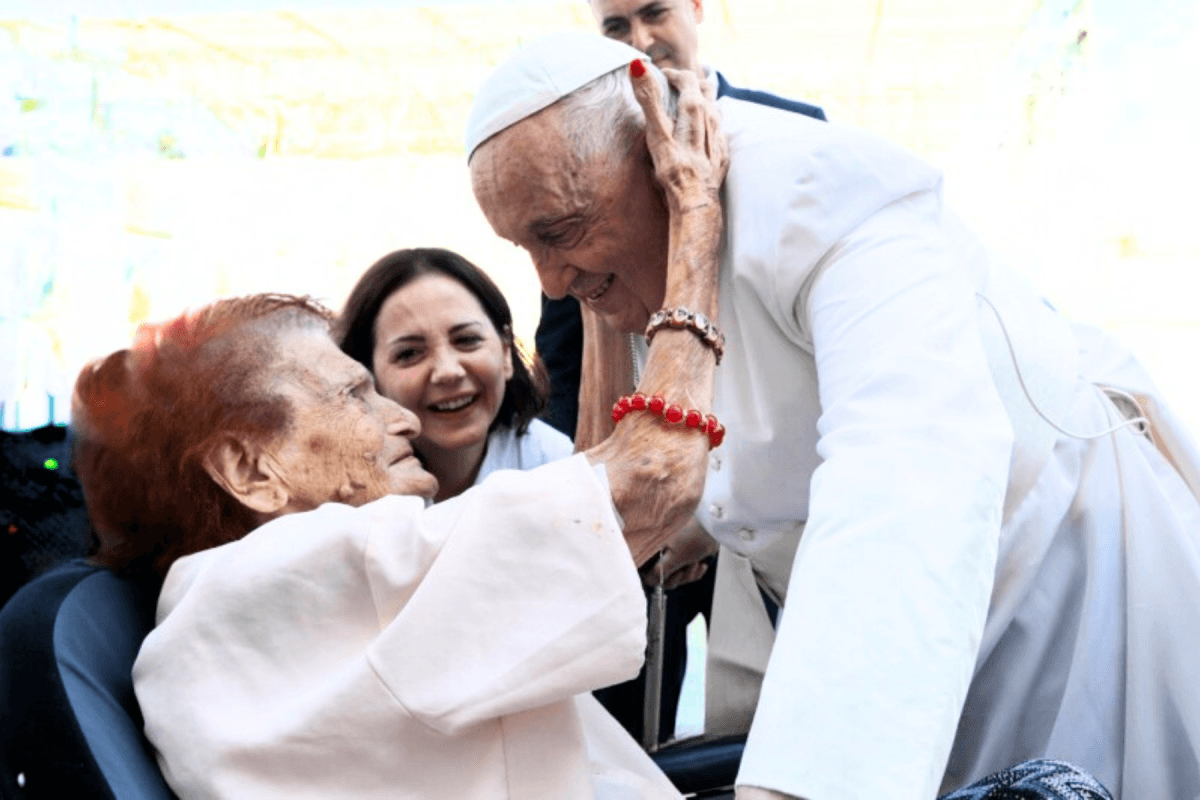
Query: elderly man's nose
x=554, y=274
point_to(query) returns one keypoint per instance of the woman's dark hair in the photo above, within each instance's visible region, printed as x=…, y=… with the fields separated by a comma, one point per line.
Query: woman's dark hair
x=525, y=393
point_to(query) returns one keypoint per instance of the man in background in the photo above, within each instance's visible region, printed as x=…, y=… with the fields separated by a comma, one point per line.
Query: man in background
x=666, y=30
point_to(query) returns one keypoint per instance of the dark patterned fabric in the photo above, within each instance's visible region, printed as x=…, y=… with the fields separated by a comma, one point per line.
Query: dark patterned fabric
x=43, y=521
x=1034, y=780
x=559, y=342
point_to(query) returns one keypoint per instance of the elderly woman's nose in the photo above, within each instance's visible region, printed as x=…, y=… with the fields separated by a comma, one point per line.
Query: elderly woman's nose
x=402, y=422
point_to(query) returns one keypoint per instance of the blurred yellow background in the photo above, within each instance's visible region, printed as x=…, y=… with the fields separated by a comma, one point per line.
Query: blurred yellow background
x=153, y=162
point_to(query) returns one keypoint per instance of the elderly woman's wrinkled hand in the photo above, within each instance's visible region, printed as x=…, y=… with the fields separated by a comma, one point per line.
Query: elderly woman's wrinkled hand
x=691, y=155
x=657, y=471
x=657, y=477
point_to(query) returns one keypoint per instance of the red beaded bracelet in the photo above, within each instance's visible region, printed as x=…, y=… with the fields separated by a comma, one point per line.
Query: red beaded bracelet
x=672, y=413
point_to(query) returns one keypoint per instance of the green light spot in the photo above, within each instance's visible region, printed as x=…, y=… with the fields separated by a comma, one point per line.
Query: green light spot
x=51, y=463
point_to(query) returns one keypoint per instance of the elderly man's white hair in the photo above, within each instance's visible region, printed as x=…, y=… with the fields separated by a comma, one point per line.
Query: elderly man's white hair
x=585, y=74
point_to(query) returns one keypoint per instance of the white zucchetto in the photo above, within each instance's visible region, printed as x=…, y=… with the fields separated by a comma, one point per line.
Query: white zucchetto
x=538, y=75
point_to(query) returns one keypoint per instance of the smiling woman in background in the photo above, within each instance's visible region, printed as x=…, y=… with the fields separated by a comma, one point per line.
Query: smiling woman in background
x=436, y=333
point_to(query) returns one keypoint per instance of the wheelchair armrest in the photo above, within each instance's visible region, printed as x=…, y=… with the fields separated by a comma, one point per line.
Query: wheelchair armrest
x=700, y=764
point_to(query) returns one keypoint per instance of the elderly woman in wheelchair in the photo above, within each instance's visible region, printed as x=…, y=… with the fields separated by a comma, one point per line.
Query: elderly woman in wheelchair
x=322, y=631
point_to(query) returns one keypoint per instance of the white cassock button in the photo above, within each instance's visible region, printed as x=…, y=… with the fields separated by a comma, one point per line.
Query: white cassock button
x=716, y=511
x=714, y=462
x=745, y=534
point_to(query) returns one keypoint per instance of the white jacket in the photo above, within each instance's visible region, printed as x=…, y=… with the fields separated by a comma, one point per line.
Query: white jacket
x=939, y=549
x=398, y=651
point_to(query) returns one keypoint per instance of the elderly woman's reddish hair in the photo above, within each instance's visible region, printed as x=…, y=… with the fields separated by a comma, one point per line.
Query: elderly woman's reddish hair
x=145, y=418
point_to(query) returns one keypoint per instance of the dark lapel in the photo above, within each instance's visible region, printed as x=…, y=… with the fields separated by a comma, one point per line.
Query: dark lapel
x=767, y=99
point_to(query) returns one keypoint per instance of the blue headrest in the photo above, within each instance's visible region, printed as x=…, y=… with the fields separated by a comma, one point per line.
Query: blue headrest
x=71, y=726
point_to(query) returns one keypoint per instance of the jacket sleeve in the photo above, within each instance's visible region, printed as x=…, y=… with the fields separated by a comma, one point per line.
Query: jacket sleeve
x=531, y=598
x=892, y=579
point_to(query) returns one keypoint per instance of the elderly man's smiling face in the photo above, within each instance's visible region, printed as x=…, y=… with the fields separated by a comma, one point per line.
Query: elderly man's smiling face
x=597, y=230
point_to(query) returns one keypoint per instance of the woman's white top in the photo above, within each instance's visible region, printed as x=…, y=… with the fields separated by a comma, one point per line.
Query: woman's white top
x=540, y=444
x=399, y=651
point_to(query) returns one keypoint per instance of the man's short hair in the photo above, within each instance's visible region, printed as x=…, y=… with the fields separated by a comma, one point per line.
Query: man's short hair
x=602, y=119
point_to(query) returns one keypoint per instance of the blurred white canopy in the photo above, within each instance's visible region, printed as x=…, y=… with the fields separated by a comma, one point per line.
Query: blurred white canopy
x=159, y=153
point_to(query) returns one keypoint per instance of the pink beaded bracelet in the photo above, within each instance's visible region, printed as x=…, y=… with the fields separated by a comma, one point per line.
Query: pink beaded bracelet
x=672, y=413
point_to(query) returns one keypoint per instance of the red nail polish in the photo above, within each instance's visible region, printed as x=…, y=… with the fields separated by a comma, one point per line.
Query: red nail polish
x=636, y=68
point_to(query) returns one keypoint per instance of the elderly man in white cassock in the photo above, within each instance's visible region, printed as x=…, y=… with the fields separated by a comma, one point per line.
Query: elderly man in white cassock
x=979, y=519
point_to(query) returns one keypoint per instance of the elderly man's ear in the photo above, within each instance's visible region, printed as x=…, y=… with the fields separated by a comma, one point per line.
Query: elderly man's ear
x=248, y=474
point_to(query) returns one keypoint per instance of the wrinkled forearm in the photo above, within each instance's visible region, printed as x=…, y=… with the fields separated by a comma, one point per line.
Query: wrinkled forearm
x=657, y=472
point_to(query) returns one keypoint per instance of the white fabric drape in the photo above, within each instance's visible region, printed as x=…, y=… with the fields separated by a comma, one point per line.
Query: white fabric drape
x=940, y=550
x=395, y=651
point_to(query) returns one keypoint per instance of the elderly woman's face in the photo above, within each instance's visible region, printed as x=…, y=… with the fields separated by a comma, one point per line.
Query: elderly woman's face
x=346, y=443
